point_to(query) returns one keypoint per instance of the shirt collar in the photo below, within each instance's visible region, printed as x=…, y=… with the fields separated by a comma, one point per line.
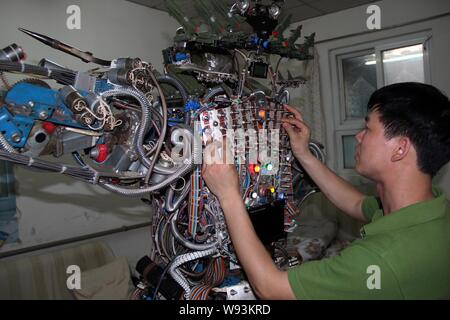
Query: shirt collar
x=408, y=216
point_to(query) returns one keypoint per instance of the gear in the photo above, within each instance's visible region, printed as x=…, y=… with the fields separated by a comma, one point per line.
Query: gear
x=35, y=81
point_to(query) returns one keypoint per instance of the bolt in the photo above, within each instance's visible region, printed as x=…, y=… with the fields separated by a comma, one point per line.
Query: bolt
x=43, y=115
x=132, y=156
x=16, y=137
x=94, y=153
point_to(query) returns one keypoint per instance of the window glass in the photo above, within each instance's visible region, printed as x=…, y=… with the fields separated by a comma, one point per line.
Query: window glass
x=360, y=81
x=349, y=143
x=403, y=65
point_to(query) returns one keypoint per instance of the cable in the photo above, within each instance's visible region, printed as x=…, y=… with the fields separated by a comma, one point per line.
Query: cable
x=160, y=280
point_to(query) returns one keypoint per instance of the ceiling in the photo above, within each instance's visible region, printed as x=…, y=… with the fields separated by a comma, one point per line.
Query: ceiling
x=300, y=9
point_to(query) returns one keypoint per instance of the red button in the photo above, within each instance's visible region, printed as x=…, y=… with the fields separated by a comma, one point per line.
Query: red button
x=49, y=127
x=102, y=153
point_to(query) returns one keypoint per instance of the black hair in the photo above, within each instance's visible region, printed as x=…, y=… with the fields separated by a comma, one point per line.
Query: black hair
x=421, y=113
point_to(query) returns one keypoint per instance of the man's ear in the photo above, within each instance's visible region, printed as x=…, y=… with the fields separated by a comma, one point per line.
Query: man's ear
x=401, y=148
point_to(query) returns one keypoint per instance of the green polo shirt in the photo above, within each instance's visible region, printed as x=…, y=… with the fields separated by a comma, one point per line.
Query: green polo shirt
x=405, y=255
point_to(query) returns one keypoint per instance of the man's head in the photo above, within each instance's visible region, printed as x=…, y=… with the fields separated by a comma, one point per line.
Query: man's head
x=406, y=121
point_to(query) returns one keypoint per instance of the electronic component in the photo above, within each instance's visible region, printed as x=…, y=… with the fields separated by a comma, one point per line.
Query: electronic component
x=268, y=221
x=12, y=53
x=258, y=69
x=155, y=276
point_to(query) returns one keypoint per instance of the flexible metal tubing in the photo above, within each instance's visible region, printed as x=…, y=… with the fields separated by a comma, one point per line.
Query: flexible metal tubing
x=5, y=146
x=171, y=206
x=141, y=191
x=163, y=130
x=185, y=242
x=214, y=91
x=145, y=107
x=180, y=260
x=182, y=171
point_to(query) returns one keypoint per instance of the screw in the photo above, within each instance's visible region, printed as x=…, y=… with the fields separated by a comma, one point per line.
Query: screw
x=94, y=153
x=43, y=115
x=16, y=137
x=132, y=156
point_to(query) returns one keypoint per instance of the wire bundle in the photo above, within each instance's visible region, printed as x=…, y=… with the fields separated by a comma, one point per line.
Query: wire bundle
x=66, y=77
x=85, y=174
x=215, y=275
x=196, y=187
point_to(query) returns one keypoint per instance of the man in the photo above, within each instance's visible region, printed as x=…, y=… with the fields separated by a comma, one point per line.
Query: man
x=404, y=252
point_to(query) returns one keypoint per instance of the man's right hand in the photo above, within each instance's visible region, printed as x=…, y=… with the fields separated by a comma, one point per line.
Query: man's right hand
x=341, y=193
x=299, y=133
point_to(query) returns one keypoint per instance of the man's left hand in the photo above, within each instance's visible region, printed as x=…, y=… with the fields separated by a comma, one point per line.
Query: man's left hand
x=219, y=174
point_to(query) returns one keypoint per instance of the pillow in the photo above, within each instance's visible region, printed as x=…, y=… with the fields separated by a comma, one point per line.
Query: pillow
x=109, y=282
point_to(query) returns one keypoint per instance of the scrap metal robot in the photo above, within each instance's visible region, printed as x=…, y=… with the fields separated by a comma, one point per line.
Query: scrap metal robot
x=141, y=134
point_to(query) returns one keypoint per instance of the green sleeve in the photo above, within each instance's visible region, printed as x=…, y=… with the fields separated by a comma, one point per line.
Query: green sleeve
x=369, y=206
x=344, y=277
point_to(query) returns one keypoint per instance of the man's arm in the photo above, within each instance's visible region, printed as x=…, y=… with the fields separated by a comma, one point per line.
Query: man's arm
x=267, y=281
x=341, y=193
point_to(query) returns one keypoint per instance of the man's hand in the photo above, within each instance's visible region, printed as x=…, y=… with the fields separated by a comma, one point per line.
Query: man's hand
x=222, y=179
x=299, y=133
x=220, y=176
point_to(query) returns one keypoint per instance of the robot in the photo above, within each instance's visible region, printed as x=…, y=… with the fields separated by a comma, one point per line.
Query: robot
x=141, y=134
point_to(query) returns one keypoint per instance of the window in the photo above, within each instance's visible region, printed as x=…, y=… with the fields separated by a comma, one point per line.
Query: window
x=359, y=70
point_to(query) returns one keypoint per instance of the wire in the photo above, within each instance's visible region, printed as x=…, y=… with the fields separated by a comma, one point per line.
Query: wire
x=160, y=280
x=5, y=81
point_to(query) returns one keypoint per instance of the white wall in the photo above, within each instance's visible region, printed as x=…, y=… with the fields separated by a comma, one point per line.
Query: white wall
x=52, y=207
x=347, y=28
x=109, y=29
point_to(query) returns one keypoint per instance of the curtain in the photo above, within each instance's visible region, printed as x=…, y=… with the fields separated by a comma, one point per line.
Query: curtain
x=306, y=98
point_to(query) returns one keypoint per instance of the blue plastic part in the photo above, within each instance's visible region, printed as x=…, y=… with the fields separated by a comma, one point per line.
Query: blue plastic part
x=200, y=267
x=281, y=196
x=180, y=56
x=255, y=40
x=192, y=105
x=102, y=86
x=230, y=281
x=38, y=99
x=266, y=44
x=15, y=125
